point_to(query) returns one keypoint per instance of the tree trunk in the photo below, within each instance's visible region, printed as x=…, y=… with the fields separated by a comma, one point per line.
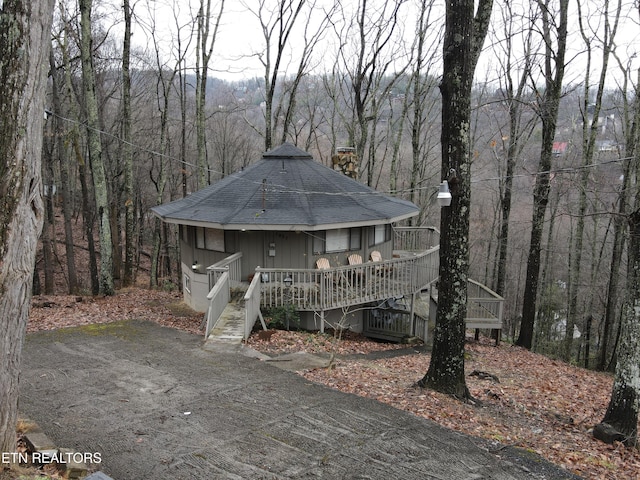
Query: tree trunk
x=129, y=204
x=589, y=134
x=550, y=101
x=24, y=49
x=622, y=412
x=65, y=190
x=95, y=151
x=463, y=40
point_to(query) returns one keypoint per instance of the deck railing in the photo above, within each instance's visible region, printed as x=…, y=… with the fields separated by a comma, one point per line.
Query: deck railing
x=218, y=297
x=319, y=290
x=416, y=239
x=340, y=287
x=251, y=305
x=229, y=264
x=484, y=306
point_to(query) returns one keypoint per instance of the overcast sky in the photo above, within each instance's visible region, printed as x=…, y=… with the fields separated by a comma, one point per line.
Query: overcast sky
x=240, y=38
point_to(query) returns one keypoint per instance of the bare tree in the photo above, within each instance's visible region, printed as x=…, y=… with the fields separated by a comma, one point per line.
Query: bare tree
x=464, y=36
x=423, y=85
x=127, y=153
x=204, y=49
x=620, y=422
x=515, y=75
x=160, y=168
x=630, y=123
x=279, y=26
x=95, y=150
x=57, y=81
x=548, y=105
x=590, y=129
x=369, y=58
x=25, y=28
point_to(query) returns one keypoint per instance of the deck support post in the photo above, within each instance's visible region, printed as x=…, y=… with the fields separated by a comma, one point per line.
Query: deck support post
x=412, y=320
x=322, y=321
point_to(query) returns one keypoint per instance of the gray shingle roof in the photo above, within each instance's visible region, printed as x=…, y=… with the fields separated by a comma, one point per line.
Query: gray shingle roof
x=286, y=190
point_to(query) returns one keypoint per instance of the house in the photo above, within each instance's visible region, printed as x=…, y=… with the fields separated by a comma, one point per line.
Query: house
x=559, y=148
x=269, y=225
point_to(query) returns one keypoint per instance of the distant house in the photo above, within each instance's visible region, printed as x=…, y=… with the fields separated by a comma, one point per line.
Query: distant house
x=559, y=148
x=606, y=146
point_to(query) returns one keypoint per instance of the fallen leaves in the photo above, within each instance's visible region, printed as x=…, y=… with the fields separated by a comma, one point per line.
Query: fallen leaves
x=165, y=308
x=539, y=404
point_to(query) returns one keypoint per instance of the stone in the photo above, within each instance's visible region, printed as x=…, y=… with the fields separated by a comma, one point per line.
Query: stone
x=37, y=441
x=98, y=476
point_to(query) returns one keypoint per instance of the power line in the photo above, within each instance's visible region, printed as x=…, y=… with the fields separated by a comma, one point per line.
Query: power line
x=276, y=188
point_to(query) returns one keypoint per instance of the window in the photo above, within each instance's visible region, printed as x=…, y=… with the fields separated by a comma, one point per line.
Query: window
x=379, y=234
x=338, y=240
x=187, y=282
x=355, y=239
x=210, y=239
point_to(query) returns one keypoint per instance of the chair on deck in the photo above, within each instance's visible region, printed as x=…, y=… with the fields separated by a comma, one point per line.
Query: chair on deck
x=323, y=264
x=355, y=259
x=376, y=257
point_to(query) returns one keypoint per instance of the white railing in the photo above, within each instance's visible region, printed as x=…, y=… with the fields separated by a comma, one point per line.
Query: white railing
x=484, y=306
x=218, y=298
x=252, y=305
x=338, y=287
x=415, y=239
x=421, y=327
x=232, y=265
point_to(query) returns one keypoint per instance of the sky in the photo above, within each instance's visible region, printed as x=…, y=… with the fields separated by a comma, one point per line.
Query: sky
x=240, y=38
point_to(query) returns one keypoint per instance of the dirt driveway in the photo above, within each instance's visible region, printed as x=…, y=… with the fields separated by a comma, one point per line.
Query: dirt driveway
x=157, y=405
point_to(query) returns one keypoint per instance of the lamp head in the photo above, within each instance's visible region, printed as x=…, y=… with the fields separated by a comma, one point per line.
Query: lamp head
x=444, y=194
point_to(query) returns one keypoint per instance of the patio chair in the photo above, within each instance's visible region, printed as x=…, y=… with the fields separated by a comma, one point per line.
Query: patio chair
x=355, y=259
x=323, y=264
x=376, y=257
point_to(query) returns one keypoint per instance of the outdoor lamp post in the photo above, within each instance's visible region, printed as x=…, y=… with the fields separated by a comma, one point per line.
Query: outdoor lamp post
x=444, y=194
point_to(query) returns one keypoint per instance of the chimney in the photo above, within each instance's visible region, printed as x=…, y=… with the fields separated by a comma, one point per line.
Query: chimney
x=346, y=161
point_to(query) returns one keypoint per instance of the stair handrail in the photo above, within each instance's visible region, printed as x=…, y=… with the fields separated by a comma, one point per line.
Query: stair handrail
x=218, y=297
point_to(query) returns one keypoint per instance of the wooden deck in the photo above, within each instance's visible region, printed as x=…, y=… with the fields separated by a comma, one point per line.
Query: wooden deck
x=407, y=274
x=342, y=287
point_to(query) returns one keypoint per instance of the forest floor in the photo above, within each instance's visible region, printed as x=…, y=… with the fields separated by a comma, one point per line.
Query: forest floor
x=521, y=399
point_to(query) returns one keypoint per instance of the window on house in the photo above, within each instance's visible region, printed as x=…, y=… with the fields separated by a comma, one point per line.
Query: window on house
x=354, y=241
x=186, y=282
x=210, y=239
x=379, y=234
x=338, y=240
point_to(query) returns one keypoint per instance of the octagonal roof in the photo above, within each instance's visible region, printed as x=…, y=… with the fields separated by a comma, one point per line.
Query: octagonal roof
x=286, y=190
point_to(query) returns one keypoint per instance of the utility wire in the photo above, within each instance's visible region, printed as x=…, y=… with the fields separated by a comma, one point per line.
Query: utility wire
x=276, y=188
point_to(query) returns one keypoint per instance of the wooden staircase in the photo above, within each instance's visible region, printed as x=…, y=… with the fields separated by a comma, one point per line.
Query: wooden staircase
x=229, y=329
